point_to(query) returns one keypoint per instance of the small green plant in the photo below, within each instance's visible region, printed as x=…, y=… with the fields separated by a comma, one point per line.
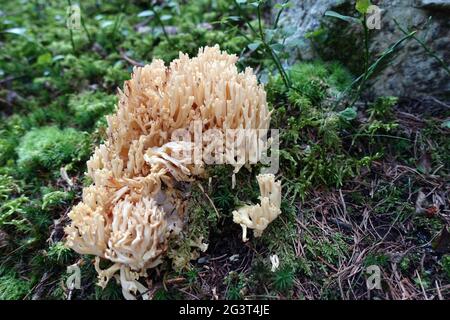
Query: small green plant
x=377, y=259
x=283, y=279
x=382, y=108
x=235, y=283
x=13, y=216
x=55, y=199
x=59, y=254
x=370, y=68
x=7, y=186
x=445, y=263
x=405, y=263
x=424, y=46
x=268, y=40
x=192, y=275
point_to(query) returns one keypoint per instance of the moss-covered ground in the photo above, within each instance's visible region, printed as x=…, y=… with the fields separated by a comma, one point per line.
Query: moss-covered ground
x=364, y=184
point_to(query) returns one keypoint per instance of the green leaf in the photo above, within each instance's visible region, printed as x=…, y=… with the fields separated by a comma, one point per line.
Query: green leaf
x=146, y=13
x=17, y=31
x=295, y=43
x=362, y=6
x=45, y=59
x=233, y=18
x=341, y=17
x=253, y=46
x=166, y=17
x=269, y=34
x=284, y=5
x=287, y=156
x=277, y=47
x=288, y=31
x=58, y=58
x=106, y=24
x=348, y=114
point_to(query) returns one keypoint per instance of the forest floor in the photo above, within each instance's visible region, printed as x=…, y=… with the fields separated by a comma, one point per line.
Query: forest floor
x=365, y=185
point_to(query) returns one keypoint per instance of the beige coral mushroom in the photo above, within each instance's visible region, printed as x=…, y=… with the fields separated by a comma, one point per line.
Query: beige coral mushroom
x=133, y=206
x=258, y=217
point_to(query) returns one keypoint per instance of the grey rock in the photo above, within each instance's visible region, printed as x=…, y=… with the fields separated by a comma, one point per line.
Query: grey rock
x=438, y=4
x=412, y=73
x=306, y=16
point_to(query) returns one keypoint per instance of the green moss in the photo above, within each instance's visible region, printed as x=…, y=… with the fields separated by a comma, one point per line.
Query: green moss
x=283, y=279
x=6, y=149
x=55, y=199
x=317, y=80
x=382, y=108
x=7, y=186
x=49, y=148
x=202, y=219
x=113, y=291
x=83, y=68
x=116, y=76
x=48, y=85
x=378, y=259
x=10, y=130
x=89, y=106
x=58, y=253
x=236, y=283
x=13, y=216
x=24, y=222
x=337, y=40
x=12, y=287
x=445, y=263
x=190, y=40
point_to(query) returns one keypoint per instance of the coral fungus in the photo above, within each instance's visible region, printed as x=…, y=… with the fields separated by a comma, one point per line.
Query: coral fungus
x=258, y=217
x=134, y=206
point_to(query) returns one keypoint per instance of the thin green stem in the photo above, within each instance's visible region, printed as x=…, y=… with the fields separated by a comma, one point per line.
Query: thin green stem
x=425, y=47
x=278, y=64
x=366, y=60
x=238, y=31
x=118, y=20
x=247, y=21
x=86, y=30
x=273, y=55
x=70, y=30
x=266, y=47
x=277, y=19
x=374, y=66
x=366, y=43
x=158, y=19
x=261, y=33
